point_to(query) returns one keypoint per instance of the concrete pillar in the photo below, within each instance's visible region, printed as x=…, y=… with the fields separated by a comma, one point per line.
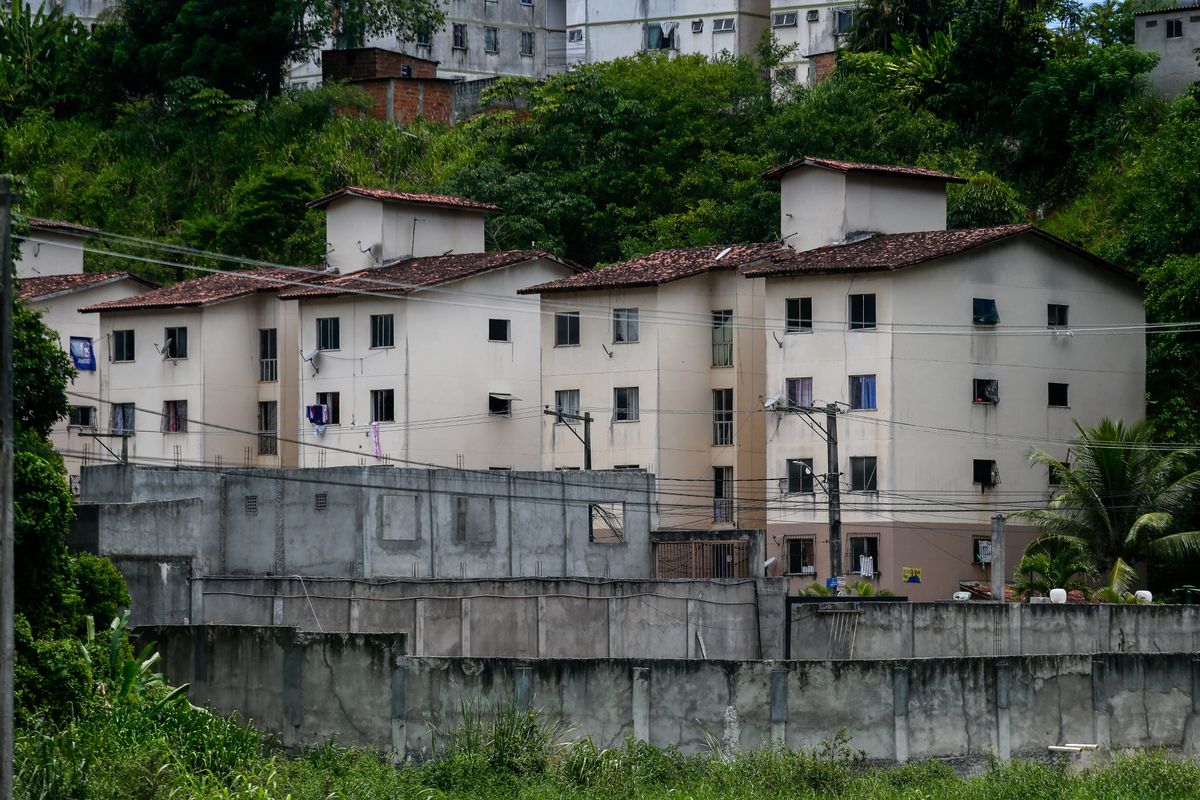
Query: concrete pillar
x=418, y=642
x=1016, y=616
x=612, y=629
x=900, y=711
x=277, y=607
x=1103, y=628
x=693, y=617
x=541, y=627
x=196, y=612
x=354, y=614
x=523, y=687
x=1100, y=703
x=464, y=615
x=399, y=710
x=779, y=705
x=1003, y=731
x=391, y=100
x=641, y=703
x=293, y=693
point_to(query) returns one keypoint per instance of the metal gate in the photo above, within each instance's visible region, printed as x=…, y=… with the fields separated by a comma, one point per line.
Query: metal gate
x=701, y=559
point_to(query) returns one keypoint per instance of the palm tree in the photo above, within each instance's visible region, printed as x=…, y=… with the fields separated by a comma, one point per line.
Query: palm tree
x=1119, y=501
x=1049, y=563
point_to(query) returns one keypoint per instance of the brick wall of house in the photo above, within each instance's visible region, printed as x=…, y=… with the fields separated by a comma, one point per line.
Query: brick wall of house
x=823, y=65
x=411, y=98
x=372, y=62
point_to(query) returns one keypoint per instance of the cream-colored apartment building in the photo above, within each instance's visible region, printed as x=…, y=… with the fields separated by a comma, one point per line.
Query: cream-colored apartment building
x=603, y=30
x=666, y=353
x=949, y=354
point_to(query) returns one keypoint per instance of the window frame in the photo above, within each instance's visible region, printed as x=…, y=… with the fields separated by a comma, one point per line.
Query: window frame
x=174, y=416
x=559, y=407
x=978, y=478
x=73, y=420
x=807, y=543
x=571, y=321
x=724, y=25
x=492, y=331
x=175, y=343
x=722, y=338
x=862, y=383
x=625, y=324
x=627, y=411
x=334, y=402
x=383, y=405
x=499, y=404
x=1174, y=28
x=1057, y=315
x=332, y=333
x=852, y=568
x=268, y=355
x=779, y=19
x=723, y=427
x=1051, y=392
x=574, y=35
x=801, y=321
x=979, y=392
x=866, y=468
x=383, y=324
x=797, y=477
x=985, y=311
x=867, y=318
x=124, y=339
x=788, y=383
x=458, y=36
x=531, y=38
x=132, y=419
x=268, y=437
x=491, y=39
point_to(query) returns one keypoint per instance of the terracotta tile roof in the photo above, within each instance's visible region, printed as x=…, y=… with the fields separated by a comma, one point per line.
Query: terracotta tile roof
x=892, y=251
x=663, y=267
x=1167, y=9
x=60, y=226
x=209, y=289
x=438, y=200
x=853, y=167
x=408, y=275
x=43, y=286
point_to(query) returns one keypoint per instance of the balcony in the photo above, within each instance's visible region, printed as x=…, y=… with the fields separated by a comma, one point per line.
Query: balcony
x=268, y=370
x=723, y=510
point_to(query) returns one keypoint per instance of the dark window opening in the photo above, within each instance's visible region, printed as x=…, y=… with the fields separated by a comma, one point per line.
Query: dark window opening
x=798, y=312
x=500, y=405
x=175, y=343
x=800, y=476
x=329, y=333
x=801, y=556
x=566, y=328
x=984, y=311
x=383, y=330
x=383, y=405
x=625, y=404
x=864, y=556
x=331, y=402
x=122, y=345
x=862, y=392
x=985, y=473
x=499, y=330
x=862, y=474
x=986, y=391
x=722, y=416
x=862, y=311
x=1056, y=315
x=1056, y=394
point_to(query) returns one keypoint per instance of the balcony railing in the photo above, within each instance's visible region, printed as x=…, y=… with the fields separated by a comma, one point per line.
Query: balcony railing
x=722, y=432
x=268, y=369
x=722, y=354
x=723, y=509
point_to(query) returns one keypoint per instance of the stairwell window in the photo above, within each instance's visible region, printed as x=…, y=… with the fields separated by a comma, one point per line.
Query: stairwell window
x=986, y=391
x=122, y=343
x=862, y=474
x=499, y=330
x=800, y=476
x=268, y=355
x=798, y=315
x=383, y=331
x=1056, y=395
x=268, y=428
x=723, y=494
x=984, y=311
x=625, y=325
x=383, y=405
x=722, y=338
x=722, y=417
x=174, y=416
x=1056, y=315
x=862, y=392
x=625, y=404
x=862, y=312
x=175, y=343
x=329, y=333
x=566, y=329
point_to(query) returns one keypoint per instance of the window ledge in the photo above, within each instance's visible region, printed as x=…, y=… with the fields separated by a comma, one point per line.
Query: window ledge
x=789, y=333
x=1057, y=406
x=380, y=347
x=722, y=366
x=634, y=341
x=567, y=345
x=984, y=403
x=624, y=421
x=501, y=341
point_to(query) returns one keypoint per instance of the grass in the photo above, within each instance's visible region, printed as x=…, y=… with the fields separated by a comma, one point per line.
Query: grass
x=136, y=751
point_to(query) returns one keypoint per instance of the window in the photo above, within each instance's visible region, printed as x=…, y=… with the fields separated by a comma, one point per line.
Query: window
x=383, y=405
x=1055, y=475
x=862, y=474
x=813, y=15
x=250, y=503
x=1174, y=28
x=861, y=549
x=801, y=558
x=787, y=19
x=499, y=330
x=424, y=38
x=527, y=3
x=122, y=345
x=566, y=329
x=625, y=325
x=122, y=418
x=722, y=494
x=984, y=312
x=527, y=43
x=491, y=40
x=660, y=36
x=1056, y=315
x=626, y=466
x=862, y=392
x=800, y=476
x=1056, y=394
x=986, y=391
x=268, y=428
x=1151, y=23
x=985, y=473
x=331, y=401
x=82, y=417
x=844, y=20
x=566, y=401
x=606, y=523
x=174, y=416
x=320, y=501
x=722, y=338
x=785, y=75
x=499, y=404
x=722, y=416
x=268, y=361
x=799, y=392
x=862, y=311
x=723, y=25
x=459, y=36
x=175, y=343
x=575, y=35
x=329, y=333
x=697, y=26
x=798, y=315
x=625, y=404
x=982, y=550
x=383, y=330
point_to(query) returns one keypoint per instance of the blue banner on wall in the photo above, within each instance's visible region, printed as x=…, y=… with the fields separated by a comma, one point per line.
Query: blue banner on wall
x=82, y=354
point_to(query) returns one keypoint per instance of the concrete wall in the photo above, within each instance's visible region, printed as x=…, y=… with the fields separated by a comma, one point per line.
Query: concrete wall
x=362, y=689
x=948, y=630
x=517, y=618
x=353, y=224
x=812, y=38
x=49, y=252
x=1176, y=68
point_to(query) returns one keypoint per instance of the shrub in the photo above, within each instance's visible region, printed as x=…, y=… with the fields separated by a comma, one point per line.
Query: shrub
x=102, y=588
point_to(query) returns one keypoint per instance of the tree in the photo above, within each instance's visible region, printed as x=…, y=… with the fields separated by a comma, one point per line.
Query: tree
x=45, y=583
x=1051, y=564
x=1119, y=500
x=43, y=59
x=982, y=201
x=41, y=373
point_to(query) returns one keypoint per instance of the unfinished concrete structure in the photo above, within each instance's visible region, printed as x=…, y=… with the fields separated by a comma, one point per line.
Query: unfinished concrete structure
x=1173, y=34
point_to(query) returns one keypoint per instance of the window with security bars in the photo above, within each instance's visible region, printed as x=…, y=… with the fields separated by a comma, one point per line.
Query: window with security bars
x=174, y=416
x=700, y=560
x=383, y=405
x=801, y=556
x=723, y=494
x=383, y=330
x=321, y=501
x=268, y=428
x=722, y=416
x=722, y=338
x=268, y=355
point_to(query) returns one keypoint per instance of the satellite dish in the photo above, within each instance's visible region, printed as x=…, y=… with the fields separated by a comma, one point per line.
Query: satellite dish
x=723, y=253
x=311, y=358
x=771, y=402
x=166, y=349
x=769, y=562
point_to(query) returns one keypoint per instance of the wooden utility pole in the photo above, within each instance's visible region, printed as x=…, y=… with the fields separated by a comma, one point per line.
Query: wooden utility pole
x=586, y=439
x=833, y=490
x=7, y=598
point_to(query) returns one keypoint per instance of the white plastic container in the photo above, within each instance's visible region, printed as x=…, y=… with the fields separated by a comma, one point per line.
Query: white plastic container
x=1058, y=596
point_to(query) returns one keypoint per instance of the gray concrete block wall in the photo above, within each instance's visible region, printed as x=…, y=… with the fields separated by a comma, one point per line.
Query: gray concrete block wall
x=363, y=690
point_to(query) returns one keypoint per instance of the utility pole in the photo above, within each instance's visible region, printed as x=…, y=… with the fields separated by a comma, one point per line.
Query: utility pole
x=7, y=598
x=586, y=439
x=998, y=567
x=833, y=491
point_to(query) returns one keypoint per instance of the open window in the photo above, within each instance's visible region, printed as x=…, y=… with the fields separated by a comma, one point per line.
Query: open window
x=1057, y=395
x=606, y=523
x=785, y=19
x=863, y=555
x=984, y=311
x=500, y=404
x=175, y=343
x=661, y=36
x=985, y=473
x=986, y=391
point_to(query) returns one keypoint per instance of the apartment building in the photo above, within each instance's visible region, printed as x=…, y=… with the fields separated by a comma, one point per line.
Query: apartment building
x=666, y=353
x=948, y=354
x=202, y=372
x=420, y=350
x=603, y=30
x=815, y=30
x=1173, y=34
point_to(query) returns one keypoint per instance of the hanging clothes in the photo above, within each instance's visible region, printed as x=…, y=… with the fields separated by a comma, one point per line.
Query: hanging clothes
x=375, y=440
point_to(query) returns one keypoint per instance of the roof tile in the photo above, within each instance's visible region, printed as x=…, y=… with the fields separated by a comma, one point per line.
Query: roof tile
x=854, y=167
x=61, y=226
x=34, y=287
x=663, y=266
x=209, y=289
x=388, y=196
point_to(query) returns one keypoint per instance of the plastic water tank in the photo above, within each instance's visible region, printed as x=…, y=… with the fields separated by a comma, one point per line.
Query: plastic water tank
x=1058, y=596
x=1144, y=597
x=962, y=596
